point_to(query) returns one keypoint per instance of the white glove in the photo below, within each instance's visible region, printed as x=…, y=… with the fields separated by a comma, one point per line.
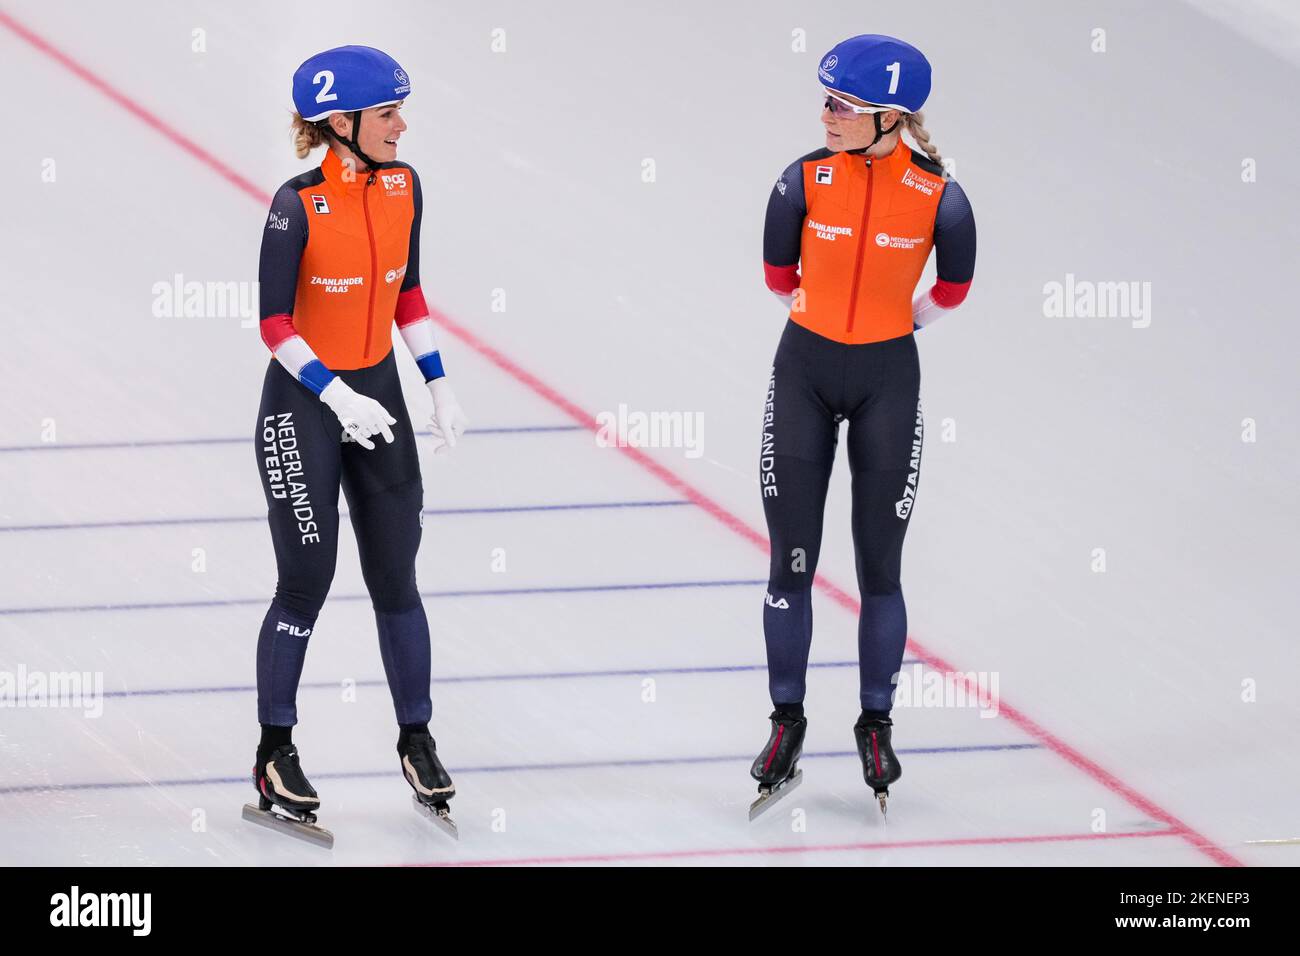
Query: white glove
x=360, y=416
x=448, y=421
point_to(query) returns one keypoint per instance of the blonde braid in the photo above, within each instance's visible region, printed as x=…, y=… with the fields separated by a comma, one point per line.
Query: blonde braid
x=916, y=127
x=306, y=136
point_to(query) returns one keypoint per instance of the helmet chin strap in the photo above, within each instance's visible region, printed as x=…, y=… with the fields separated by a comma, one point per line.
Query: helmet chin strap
x=879, y=133
x=352, y=144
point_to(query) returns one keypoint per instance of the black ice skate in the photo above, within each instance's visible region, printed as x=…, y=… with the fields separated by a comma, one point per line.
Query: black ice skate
x=285, y=800
x=880, y=766
x=430, y=781
x=777, y=768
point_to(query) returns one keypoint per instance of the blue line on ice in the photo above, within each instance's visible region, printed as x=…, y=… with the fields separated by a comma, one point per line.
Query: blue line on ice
x=502, y=768
x=176, y=442
x=489, y=592
x=343, y=513
x=484, y=678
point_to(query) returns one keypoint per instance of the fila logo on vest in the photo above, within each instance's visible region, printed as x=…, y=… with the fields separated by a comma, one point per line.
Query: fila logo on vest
x=319, y=204
x=824, y=175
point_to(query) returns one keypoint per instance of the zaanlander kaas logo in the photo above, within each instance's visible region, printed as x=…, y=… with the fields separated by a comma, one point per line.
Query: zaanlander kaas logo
x=339, y=284
x=829, y=233
x=885, y=240
x=392, y=275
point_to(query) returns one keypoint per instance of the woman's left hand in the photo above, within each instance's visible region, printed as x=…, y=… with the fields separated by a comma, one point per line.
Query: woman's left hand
x=448, y=421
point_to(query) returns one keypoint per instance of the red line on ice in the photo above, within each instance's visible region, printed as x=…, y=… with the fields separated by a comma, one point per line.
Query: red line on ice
x=814, y=848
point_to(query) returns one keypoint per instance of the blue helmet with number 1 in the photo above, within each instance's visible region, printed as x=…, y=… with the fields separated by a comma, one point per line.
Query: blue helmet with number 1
x=878, y=69
x=347, y=79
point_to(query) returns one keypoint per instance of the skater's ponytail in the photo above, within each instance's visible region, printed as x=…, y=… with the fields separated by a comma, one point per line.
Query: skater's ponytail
x=306, y=136
x=916, y=127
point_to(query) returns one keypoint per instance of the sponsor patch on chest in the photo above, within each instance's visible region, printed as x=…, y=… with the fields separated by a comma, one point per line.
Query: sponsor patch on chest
x=395, y=184
x=338, y=283
x=886, y=241
x=830, y=233
x=921, y=184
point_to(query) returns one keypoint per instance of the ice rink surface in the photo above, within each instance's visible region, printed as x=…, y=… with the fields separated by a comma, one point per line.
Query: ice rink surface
x=599, y=684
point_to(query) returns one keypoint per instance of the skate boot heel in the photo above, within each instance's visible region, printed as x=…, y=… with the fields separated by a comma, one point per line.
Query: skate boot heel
x=776, y=768
x=429, y=780
x=286, y=801
x=880, y=766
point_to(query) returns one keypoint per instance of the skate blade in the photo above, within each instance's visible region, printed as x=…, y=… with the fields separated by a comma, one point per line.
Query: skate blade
x=308, y=832
x=768, y=799
x=440, y=818
x=883, y=797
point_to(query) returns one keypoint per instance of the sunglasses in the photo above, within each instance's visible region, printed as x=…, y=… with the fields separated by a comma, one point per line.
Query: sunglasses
x=839, y=107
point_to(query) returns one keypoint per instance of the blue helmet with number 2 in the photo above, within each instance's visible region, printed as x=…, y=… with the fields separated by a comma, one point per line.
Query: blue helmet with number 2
x=878, y=69
x=346, y=79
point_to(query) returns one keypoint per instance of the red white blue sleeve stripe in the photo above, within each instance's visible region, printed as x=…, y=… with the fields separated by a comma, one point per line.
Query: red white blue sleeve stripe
x=954, y=250
x=417, y=332
x=283, y=242
x=293, y=352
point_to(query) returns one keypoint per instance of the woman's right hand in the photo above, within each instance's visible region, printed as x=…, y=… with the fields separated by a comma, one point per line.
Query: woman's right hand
x=361, y=417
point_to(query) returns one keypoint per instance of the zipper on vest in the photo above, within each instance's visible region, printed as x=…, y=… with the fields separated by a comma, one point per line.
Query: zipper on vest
x=857, y=263
x=374, y=263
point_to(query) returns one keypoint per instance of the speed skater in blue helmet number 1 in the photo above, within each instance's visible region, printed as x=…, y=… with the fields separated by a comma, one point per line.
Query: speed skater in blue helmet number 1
x=848, y=233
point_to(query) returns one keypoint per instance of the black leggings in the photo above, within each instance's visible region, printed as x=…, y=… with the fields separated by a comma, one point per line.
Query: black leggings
x=816, y=383
x=303, y=461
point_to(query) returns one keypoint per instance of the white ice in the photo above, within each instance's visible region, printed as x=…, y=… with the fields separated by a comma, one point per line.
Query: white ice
x=585, y=716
